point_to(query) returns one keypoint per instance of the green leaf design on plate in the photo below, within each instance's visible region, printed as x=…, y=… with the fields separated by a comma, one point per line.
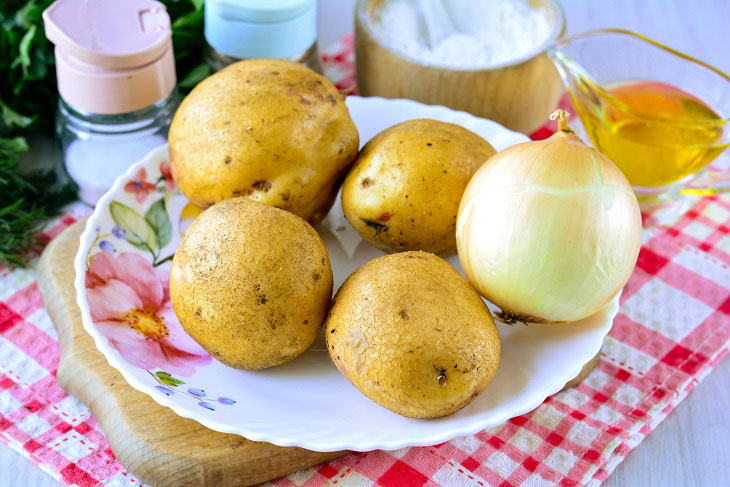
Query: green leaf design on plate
x=138, y=232
x=168, y=380
x=158, y=219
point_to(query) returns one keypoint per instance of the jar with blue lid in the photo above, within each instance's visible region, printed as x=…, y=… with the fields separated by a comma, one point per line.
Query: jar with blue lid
x=251, y=29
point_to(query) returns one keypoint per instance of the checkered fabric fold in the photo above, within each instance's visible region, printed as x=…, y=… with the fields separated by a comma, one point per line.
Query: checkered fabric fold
x=672, y=329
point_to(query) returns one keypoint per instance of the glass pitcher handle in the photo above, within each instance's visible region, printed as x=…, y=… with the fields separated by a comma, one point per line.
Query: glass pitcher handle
x=709, y=183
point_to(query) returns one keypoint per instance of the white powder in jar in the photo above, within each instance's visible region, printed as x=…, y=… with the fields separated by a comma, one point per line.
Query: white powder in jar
x=95, y=161
x=476, y=33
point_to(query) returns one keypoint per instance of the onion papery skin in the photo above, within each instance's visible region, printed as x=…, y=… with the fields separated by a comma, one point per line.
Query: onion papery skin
x=549, y=231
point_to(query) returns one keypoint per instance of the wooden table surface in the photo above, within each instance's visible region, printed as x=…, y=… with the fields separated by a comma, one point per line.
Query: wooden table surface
x=692, y=446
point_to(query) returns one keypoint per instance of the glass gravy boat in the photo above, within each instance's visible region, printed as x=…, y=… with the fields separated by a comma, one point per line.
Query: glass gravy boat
x=663, y=156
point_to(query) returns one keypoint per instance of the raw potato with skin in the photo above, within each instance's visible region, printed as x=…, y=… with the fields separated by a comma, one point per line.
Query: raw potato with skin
x=251, y=283
x=404, y=191
x=393, y=334
x=273, y=131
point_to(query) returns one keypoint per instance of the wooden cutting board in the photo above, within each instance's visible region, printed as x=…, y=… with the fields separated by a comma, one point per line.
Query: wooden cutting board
x=149, y=440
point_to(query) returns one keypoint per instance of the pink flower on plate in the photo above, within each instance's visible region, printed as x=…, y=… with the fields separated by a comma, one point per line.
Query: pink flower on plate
x=130, y=306
x=139, y=186
x=167, y=175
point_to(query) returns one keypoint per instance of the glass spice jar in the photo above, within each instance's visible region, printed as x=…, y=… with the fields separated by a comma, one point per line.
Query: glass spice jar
x=116, y=81
x=98, y=147
x=249, y=29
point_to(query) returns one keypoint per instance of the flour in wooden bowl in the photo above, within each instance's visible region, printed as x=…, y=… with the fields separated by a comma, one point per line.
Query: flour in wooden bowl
x=463, y=33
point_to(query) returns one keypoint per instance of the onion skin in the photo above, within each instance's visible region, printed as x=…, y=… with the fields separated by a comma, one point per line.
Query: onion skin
x=549, y=231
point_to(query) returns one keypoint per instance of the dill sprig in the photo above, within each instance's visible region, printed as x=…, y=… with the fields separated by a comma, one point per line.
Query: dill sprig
x=27, y=201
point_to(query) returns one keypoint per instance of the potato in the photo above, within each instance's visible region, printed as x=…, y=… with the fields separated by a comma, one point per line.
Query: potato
x=273, y=131
x=251, y=283
x=404, y=191
x=413, y=335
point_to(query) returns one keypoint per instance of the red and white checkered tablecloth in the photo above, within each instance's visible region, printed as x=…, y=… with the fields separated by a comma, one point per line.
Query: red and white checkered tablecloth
x=672, y=329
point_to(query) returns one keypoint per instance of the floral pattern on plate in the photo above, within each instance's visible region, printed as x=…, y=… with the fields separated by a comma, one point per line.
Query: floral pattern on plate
x=169, y=386
x=128, y=294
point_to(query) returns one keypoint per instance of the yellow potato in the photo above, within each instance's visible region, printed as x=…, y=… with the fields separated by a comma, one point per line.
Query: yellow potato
x=404, y=190
x=273, y=131
x=413, y=335
x=251, y=283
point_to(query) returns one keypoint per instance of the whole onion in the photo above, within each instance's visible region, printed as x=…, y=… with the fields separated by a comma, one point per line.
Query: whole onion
x=549, y=231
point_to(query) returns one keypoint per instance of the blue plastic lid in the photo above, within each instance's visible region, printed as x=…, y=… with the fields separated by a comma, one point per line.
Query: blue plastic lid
x=262, y=11
x=276, y=29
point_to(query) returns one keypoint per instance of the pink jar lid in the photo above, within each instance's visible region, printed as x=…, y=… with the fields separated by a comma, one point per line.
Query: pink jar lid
x=112, y=56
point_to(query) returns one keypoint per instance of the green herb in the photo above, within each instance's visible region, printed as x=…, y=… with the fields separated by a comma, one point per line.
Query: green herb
x=25, y=203
x=28, y=103
x=188, y=41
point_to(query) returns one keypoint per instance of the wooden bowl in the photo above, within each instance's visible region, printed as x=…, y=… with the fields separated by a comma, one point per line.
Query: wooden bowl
x=519, y=95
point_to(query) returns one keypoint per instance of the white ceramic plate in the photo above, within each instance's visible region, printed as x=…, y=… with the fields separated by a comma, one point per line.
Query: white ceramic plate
x=122, y=273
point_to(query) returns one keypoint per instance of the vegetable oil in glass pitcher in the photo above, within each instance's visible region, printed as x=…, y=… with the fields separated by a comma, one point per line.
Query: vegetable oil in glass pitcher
x=661, y=116
x=671, y=139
